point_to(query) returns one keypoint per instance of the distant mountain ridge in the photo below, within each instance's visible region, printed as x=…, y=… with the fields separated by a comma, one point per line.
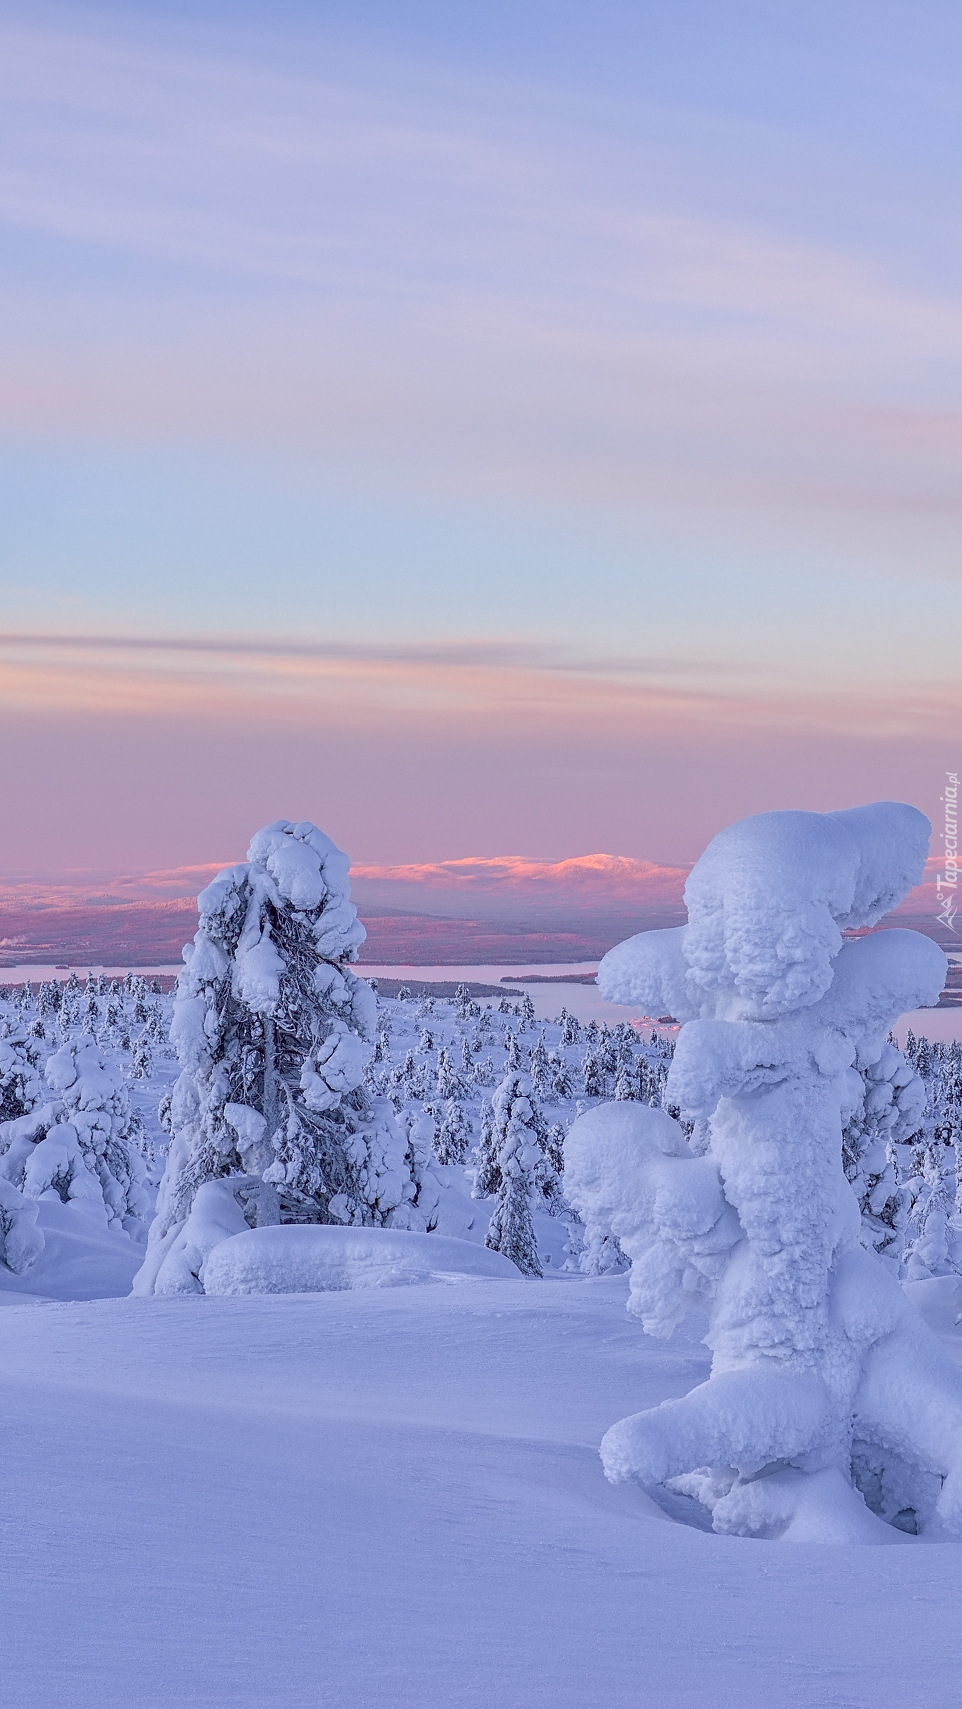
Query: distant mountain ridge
x=497, y=909
x=513, y=884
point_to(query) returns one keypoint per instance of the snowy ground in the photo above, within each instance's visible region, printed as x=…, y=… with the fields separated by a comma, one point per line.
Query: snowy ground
x=396, y=1499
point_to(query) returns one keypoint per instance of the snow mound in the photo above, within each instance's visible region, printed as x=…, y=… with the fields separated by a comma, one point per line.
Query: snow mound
x=80, y=1258
x=321, y=1258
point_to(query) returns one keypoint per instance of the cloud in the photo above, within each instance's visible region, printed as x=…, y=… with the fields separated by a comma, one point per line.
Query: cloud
x=360, y=685
x=448, y=283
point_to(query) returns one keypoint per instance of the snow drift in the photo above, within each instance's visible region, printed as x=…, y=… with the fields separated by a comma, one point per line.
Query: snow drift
x=304, y=1258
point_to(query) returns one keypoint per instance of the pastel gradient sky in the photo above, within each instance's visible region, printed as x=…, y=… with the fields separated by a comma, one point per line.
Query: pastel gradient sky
x=486, y=428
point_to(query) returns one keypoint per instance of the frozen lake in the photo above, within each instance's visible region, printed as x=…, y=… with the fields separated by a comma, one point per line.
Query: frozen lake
x=585, y=1001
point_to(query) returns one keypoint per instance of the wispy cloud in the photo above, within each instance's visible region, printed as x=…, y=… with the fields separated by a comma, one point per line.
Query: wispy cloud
x=313, y=350
x=434, y=654
x=448, y=282
x=510, y=683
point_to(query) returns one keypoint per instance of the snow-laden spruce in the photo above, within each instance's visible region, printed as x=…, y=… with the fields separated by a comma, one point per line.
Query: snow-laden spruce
x=21, y=1085
x=826, y=1387
x=886, y=1120
x=515, y=1141
x=74, y=1135
x=273, y=1032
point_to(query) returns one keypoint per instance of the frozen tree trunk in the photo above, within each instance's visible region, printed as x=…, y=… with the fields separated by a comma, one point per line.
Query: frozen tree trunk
x=271, y=1109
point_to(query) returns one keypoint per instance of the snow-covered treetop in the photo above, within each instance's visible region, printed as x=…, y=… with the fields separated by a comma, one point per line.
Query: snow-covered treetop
x=308, y=871
x=767, y=904
x=292, y=866
x=295, y=865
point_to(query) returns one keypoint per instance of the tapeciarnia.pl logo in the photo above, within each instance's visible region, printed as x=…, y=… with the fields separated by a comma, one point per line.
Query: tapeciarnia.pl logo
x=946, y=882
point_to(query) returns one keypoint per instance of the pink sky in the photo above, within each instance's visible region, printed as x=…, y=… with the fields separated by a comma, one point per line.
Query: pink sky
x=125, y=759
x=477, y=445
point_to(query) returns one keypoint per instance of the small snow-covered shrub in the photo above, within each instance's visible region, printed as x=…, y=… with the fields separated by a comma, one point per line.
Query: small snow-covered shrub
x=82, y=1142
x=21, y=1241
x=454, y=1134
x=21, y=1087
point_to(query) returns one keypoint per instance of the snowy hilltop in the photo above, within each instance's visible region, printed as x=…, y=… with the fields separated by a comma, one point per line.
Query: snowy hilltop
x=782, y=1167
x=825, y=1386
x=342, y=1442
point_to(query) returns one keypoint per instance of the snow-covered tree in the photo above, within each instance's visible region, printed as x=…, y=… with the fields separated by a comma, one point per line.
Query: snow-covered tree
x=515, y=1057
x=453, y=1135
x=540, y=1068
x=570, y=1029
x=382, y=1045
x=483, y=1031
x=484, y=1072
x=520, y=1155
x=418, y=1128
x=600, y=1253
x=487, y=1170
x=608, y=1057
x=932, y=1250
x=21, y=1088
x=826, y=1386
x=142, y=1063
x=273, y=1033
x=628, y=1084
x=554, y=1147
x=449, y=1081
x=82, y=1142
x=889, y=1105
x=592, y=1074
x=560, y=1079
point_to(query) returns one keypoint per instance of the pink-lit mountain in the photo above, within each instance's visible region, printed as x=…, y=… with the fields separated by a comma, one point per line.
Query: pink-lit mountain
x=502, y=910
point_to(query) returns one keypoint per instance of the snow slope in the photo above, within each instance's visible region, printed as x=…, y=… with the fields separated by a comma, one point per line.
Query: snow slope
x=394, y=1498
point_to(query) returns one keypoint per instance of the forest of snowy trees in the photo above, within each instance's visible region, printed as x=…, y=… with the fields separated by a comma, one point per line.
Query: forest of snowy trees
x=477, y=1096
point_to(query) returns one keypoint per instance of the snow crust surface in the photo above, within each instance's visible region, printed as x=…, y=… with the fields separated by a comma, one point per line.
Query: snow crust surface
x=387, y=1499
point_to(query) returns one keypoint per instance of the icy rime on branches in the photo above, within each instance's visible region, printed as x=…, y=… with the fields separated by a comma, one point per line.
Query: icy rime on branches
x=824, y=1382
x=270, y=1120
